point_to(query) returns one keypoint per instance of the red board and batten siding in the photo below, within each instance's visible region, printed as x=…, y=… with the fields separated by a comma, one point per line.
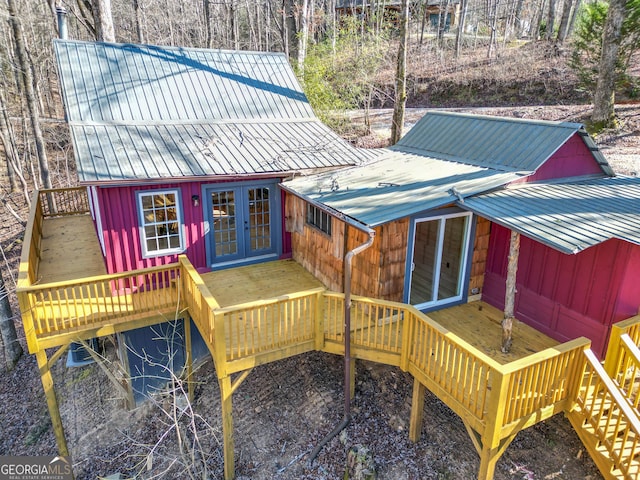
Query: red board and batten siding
x=567, y=296
x=573, y=159
x=120, y=225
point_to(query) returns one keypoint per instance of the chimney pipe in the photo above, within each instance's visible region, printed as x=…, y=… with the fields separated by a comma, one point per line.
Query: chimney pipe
x=61, y=14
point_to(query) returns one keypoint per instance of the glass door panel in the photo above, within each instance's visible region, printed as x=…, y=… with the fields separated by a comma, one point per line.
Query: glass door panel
x=424, y=254
x=452, y=254
x=225, y=225
x=440, y=249
x=259, y=220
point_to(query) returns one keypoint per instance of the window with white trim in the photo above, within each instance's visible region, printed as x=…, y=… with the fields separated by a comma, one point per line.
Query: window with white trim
x=160, y=222
x=319, y=219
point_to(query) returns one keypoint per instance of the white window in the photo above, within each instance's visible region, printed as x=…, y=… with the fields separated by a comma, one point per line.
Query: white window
x=160, y=222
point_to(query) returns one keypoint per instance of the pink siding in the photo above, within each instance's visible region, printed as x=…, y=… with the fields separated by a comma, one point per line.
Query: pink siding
x=567, y=296
x=120, y=223
x=120, y=226
x=572, y=159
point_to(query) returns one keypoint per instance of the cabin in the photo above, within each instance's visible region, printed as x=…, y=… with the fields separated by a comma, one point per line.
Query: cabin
x=444, y=200
x=216, y=216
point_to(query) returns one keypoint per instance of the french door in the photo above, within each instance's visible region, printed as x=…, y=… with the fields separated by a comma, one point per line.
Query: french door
x=242, y=222
x=439, y=260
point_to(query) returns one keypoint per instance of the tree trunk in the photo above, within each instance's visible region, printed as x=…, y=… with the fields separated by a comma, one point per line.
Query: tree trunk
x=401, y=76
x=518, y=19
x=604, y=99
x=510, y=293
x=12, y=347
x=103, y=20
x=461, y=25
x=493, y=28
x=137, y=9
x=551, y=20
x=563, y=29
x=574, y=15
x=32, y=102
x=535, y=34
x=303, y=35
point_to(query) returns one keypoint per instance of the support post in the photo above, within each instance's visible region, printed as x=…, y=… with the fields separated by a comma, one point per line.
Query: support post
x=417, y=410
x=188, y=357
x=226, y=392
x=352, y=377
x=510, y=292
x=52, y=401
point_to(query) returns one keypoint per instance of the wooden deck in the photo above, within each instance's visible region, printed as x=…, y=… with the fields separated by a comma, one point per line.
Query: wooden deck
x=479, y=324
x=69, y=250
x=261, y=281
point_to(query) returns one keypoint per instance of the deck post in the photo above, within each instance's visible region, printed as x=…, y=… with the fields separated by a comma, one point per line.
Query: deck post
x=492, y=448
x=52, y=402
x=226, y=393
x=352, y=377
x=417, y=410
x=188, y=357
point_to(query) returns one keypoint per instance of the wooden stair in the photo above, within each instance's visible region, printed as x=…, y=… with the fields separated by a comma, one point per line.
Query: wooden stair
x=607, y=424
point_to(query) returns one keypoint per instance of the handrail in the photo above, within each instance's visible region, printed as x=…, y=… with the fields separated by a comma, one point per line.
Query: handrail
x=631, y=327
x=58, y=202
x=612, y=389
x=98, y=278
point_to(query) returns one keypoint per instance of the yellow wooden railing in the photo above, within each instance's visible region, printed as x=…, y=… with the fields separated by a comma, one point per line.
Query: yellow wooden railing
x=608, y=425
x=55, y=310
x=495, y=401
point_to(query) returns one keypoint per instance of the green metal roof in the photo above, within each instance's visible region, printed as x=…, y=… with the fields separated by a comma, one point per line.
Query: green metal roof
x=506, y=144
x=569, y=216
x=143, y=112
x=397, y=185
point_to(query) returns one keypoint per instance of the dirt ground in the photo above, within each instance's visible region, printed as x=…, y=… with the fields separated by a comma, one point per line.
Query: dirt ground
x=282, y=410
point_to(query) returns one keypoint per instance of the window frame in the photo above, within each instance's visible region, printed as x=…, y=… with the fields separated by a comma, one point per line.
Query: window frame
x=141, y=223
x=319, y=214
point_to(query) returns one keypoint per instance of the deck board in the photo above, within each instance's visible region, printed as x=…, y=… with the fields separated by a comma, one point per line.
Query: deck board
x=261, y=281
x=69, y=250
x=479, y=324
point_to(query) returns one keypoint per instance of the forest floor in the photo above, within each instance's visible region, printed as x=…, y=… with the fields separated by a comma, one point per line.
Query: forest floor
x=282, y=410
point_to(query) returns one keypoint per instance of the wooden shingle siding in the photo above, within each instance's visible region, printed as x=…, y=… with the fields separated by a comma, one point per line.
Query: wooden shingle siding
x=480, y=250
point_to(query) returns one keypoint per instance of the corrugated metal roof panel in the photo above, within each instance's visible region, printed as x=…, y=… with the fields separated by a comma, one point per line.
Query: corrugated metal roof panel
x=569, y=217
x=397, y=185
x=118, y=82
x=493, y=142
x=145, y=151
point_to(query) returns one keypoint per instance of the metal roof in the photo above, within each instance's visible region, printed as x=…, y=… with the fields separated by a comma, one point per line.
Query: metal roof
x=397, y=185
x=142, y=112
x=569, y=216
x=505, y=144
x=120, y=82
x=128, y=152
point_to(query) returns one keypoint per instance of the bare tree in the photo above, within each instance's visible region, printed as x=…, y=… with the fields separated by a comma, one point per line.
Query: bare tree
x=12, y=347
x=604, y=99
x=103, y=20
x=563, y=29
x=464, y=6
x=26, y=77
x=137, y=9
x=401, y=76
x=551, y=20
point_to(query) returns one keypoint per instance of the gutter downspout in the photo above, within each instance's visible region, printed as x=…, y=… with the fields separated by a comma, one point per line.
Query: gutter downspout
x=348, y=260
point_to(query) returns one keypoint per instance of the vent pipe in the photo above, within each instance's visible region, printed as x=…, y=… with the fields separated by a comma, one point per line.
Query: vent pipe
x=61, y=14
